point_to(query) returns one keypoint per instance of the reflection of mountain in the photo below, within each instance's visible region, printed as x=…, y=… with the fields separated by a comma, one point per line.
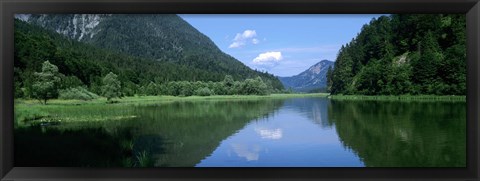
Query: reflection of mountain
x=403, y=134
x=193, y=130
x=314, y=108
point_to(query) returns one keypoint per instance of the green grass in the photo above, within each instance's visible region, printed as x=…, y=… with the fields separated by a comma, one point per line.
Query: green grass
x=32, y=111
x=399, y=98
x=144, y=159
x=57, y=111
x=154, y=99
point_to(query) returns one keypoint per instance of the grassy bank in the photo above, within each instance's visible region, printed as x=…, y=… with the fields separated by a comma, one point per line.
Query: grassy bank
x=56, y=110
x=157, y=99
x=399, y=98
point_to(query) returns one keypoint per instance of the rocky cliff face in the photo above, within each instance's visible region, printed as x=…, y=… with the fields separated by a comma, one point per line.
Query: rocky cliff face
x=75, y=26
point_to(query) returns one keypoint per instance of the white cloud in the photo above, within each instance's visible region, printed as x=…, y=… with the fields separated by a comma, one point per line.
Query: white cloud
x=245, y=35
x=241, y=39
x=236, y=44
x=268, y=58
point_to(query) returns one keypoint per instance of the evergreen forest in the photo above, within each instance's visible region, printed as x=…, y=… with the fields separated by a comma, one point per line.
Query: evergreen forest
x=404, y=54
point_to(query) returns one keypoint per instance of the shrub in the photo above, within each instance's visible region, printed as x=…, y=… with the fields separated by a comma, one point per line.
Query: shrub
x=203, y=92
x=79, y=93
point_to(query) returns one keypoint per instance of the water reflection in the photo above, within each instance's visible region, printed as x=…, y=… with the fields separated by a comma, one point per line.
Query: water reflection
x=313, y=108
x=296, y=135
x=305, y=132
x=193, y=130
x=403, y=134
x=247, y=152
x=329, y=133
x=273, y=134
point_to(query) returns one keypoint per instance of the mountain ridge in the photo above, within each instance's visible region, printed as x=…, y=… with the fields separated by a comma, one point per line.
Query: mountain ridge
x=165, y=38
x=312, y=78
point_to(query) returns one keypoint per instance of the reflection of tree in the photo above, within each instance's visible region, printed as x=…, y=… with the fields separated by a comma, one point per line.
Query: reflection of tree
x=313, y=108
x=193, y=130
x=403, y=134
x=49, y=147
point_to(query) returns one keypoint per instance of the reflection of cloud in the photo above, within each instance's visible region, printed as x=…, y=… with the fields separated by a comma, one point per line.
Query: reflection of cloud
x=242, y=150
x=273, y=134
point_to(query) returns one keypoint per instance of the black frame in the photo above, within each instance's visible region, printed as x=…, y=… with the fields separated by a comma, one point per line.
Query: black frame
x=9, y=7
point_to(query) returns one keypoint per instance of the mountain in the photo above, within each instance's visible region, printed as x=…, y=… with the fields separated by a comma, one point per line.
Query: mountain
x=314, y=77
x=159, y=38
x=405, y=54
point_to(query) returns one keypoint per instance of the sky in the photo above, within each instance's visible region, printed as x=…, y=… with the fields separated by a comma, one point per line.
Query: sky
x=284, y=45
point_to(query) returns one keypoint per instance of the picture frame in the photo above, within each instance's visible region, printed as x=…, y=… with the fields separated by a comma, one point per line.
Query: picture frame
x=10, y=7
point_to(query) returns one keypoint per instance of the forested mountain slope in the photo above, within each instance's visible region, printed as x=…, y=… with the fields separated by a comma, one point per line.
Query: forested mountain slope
x=162, y=37
x=84, y=61
x=404, y=54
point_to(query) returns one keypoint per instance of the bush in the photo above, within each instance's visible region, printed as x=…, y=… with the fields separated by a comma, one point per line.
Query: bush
x=203, y=92
x=79, y=93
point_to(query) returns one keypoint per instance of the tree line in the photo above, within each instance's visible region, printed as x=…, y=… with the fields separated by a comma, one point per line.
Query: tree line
x=84, y=65
x=48, y=85
x=404, y=54
x=228, y=86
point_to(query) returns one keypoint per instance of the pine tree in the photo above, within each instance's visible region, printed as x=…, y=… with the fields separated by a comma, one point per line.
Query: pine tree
x=329, y=79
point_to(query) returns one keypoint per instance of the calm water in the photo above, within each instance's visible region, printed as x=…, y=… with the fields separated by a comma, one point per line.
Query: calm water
x=296, y=132
x=325, y=133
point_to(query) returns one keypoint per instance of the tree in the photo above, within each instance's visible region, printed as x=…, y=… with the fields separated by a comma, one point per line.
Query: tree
x=203, y=92
x=404, y=54
x=342, y=74
x=186, y=88
x=254, y=87
x=329, y=78
x=46, y=83
x=111, y=87
x=151, y=89
x=228, y=84
x=70, y=82
x=425, y=69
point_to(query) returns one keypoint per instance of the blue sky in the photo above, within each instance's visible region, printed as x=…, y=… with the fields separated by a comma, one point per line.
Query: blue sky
x=284, y=45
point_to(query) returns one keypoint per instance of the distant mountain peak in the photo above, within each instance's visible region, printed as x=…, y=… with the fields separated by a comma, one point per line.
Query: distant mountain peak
x=315, y=77
x=319, y=67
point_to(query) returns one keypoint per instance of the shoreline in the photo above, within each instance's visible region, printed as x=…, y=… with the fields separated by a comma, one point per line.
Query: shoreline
x=398, y=98
x=167, y=99
x=163, y=99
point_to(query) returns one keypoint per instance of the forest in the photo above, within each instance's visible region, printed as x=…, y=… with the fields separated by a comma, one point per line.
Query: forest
x=404, y=54
x=82, y=67
x=399, y=54
x=152, y=91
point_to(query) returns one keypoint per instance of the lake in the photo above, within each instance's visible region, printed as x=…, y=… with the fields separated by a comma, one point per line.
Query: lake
x=292, y=132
